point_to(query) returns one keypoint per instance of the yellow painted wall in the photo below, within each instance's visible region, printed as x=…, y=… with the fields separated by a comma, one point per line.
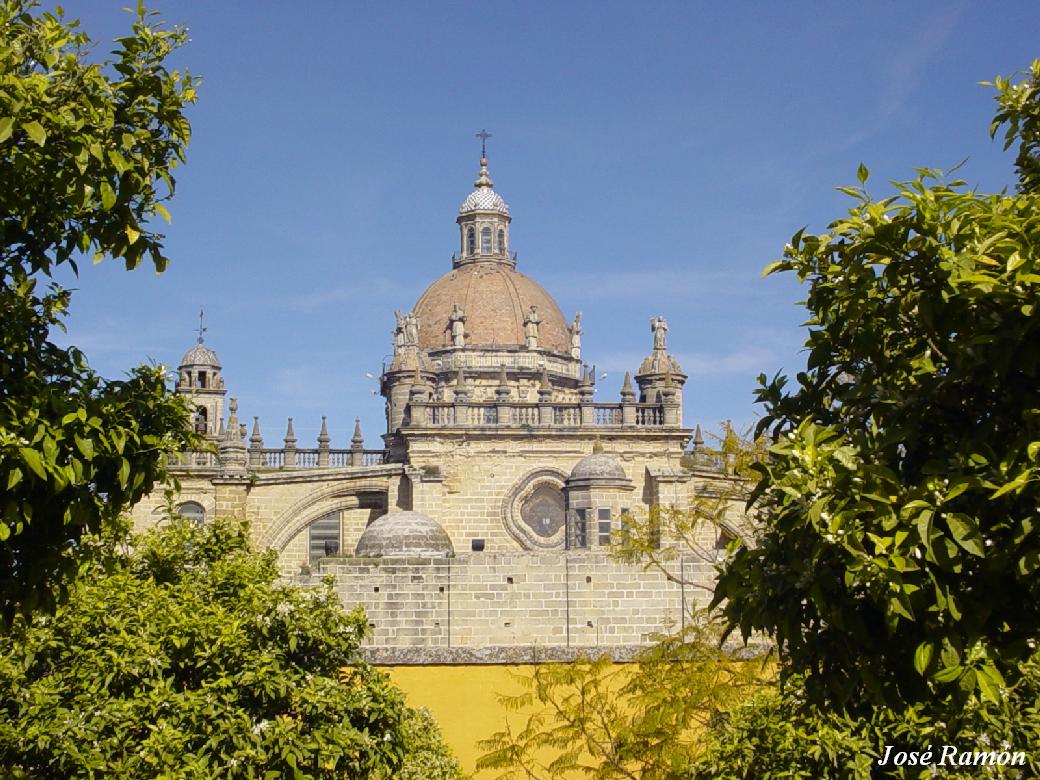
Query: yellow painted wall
x=463, y=701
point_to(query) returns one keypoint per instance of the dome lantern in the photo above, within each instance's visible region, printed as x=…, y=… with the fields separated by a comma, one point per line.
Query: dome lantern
x=483, y=220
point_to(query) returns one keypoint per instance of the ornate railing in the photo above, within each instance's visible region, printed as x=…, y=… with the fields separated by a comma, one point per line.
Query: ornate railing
x=192, y=460
x=271, y=458
x=448, y=414
x=526, y=414
x=454, y=359
x=648, y=414
x=569, y=415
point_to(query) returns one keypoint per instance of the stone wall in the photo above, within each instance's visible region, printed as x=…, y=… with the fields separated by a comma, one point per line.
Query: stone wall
x=540, y=601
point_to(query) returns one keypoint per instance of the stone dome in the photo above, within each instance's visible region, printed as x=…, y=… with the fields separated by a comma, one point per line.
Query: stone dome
x=402, y=534
x=200, y=355
x=495, y=298
x=659, y=362
x=599, y=467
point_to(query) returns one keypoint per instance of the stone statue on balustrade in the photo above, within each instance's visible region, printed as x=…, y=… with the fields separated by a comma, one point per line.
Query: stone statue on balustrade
x=411, y=330
x=575, y=331
x=457, y=326
x=660, y=330
x=531, y=323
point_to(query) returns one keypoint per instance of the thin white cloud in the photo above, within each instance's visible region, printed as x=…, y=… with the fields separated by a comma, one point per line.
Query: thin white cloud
x=692, y=283
x=376, y=289
x=750, y=360
x=903, y=74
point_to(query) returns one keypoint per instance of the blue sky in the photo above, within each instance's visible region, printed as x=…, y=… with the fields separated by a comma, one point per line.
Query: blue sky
x=656, y=156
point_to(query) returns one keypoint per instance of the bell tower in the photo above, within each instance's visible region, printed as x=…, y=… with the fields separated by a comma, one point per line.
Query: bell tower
x=199, y=378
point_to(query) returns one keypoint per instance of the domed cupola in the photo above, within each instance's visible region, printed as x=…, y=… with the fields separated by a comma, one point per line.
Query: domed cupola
x=483, y=220
x=598, y=496
x=484, y=198
x=598, y=470
x=484, y=302
x=199, y=378
x=404, y=534
x=200, y=356
x=660, y=377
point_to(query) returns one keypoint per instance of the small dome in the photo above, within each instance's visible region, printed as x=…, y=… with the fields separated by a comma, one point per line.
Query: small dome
x=200, y=355
x=484, y=199
x=599, y=467
x=659, y=362
x=401, y=534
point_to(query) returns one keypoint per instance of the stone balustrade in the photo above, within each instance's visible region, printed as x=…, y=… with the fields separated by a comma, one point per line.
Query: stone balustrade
x=281, y=458
x=513, y=414
x=284, y=458
x=192, y=460
x=451, y=360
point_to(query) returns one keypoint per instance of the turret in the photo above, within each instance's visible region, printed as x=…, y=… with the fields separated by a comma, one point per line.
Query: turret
x=199, y=379
x=660, y=377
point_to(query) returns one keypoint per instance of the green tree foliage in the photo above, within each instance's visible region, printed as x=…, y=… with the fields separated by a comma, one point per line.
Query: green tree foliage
x=1020, y=111
x=665, y=535
x=86, y=155
x=899, y=559
x=782, y=735
x=642, y=721
x=428, y=757
x=185, y=658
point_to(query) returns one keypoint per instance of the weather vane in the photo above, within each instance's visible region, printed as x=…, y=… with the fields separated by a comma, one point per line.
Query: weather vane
x=483, y=135
x=201, y=329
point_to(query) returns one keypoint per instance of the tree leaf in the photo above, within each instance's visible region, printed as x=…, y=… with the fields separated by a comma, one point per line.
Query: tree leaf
x=35, y=131
x=108, y=196
x=85, y=446
x=923, y=657
x=965, y=532
x=161, y=211
x=34, y=461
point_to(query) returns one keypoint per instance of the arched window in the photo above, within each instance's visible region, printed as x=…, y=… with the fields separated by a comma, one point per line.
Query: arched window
x=202, y=379
x=323, y=537
x=192, y=511
x=201, y=420
x=501, y=242
x=485, y=241
x=471, y=241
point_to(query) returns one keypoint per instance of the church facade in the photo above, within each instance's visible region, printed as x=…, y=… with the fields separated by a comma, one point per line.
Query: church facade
x=480, y=526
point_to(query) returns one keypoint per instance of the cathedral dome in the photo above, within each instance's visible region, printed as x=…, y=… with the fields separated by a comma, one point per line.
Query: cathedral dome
x=402, y=534
x=495, y=299
x=200, y=355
